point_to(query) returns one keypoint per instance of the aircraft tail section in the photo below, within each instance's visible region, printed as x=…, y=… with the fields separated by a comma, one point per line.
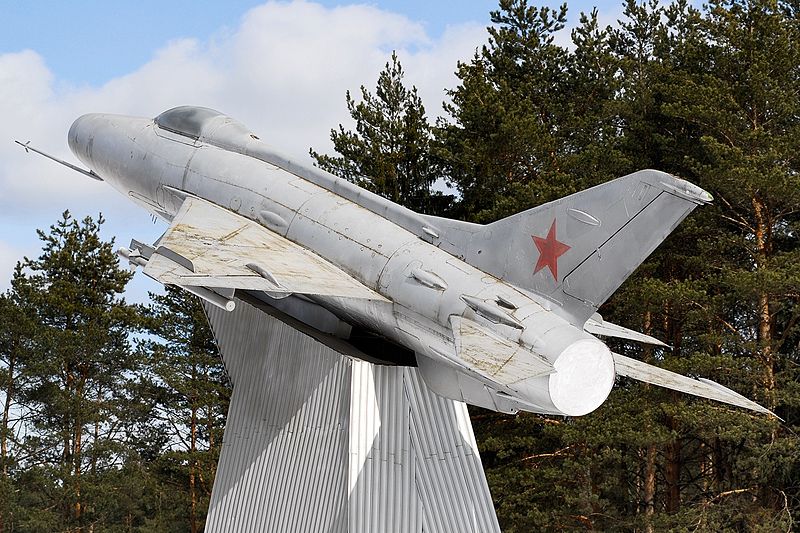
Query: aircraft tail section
x=578, y=250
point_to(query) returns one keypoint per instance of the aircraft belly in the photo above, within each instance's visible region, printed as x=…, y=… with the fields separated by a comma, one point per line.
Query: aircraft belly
x=375, y=316
x=402, y=282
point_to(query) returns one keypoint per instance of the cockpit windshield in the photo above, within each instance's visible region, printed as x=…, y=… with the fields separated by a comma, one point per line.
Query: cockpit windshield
x=186, y=120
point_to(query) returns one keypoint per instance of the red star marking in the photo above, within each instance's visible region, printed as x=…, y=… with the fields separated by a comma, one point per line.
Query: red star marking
x=550, y=249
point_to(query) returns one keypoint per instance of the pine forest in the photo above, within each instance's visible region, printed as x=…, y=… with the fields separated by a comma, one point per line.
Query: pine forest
x=113, y=413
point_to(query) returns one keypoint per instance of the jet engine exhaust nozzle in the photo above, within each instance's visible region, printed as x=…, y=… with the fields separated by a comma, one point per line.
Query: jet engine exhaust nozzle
x=583, y=378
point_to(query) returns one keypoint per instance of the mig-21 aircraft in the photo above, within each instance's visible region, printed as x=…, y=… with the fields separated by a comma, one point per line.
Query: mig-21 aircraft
x=355, y=331
x=502, y=316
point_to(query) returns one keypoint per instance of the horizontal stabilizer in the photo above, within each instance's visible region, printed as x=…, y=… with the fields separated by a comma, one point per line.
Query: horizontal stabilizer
x=704, y=388
x=494, y=357
x=209, y=246
x=597, y=326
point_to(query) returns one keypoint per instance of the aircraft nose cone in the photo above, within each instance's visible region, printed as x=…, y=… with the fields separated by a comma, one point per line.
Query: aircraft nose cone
x=106, y=144
x=80, y=138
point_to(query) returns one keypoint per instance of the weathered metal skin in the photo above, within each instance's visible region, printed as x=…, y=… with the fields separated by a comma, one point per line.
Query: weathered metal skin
x=494, y=314
x=152, y=166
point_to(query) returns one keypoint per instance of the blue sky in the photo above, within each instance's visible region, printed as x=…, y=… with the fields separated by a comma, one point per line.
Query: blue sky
x=282, y=68
x=89, y=42
x=93, y=41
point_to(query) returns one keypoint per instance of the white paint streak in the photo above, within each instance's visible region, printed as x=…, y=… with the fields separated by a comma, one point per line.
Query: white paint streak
x=365, y=420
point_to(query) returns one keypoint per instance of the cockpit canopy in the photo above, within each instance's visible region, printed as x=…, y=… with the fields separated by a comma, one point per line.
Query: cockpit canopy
x=206, y=125
x=187, y=120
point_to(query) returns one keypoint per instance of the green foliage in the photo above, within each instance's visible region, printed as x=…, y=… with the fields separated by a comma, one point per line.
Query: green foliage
x=707, y=94
x=98, y=434
x=190, y=397
x=389, y=153
x=530, y=121
x=502, y=138
x=72, y=365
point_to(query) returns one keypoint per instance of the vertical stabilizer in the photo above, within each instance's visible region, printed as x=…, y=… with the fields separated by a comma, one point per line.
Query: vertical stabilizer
x=578, y=250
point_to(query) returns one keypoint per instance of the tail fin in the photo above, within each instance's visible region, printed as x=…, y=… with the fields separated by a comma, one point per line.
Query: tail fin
x=578, y=250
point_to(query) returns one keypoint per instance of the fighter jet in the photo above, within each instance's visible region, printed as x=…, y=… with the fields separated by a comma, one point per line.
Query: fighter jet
x=502, y=316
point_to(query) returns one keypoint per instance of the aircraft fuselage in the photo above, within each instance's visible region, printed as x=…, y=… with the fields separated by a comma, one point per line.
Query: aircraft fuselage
x=157, y=168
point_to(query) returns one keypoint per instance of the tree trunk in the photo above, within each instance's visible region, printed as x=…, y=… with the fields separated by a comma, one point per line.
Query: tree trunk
x=649, y=489
x=673, y=470
x=650, y=486
x=77, y=456
x=209, y=411
x=77, y=471
x=95, y=438
x=193, y=471
x=763, y=244
x=193, y=448
x=6, y=413
x=763, y=241
x=10, y=390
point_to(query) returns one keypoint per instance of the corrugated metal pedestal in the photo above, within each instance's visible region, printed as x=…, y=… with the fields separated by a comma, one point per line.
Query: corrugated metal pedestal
x=317, y=441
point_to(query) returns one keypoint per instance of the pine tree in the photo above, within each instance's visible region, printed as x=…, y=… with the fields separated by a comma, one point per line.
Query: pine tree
x=190, y=396
x=741, y=103
x=76, y=367
x=591, y=123
x=16, y=334
x=674, y=88
x=503, y=145
x=389, y=152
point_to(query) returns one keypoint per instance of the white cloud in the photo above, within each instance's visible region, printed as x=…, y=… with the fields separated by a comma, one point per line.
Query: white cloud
x=283, y=71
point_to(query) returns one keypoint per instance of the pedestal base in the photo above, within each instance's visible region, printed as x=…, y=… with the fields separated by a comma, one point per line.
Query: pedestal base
x=318, y=441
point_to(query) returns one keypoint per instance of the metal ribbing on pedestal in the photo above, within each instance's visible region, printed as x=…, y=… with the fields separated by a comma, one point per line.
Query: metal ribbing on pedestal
x=316, y=441
x=284, y=459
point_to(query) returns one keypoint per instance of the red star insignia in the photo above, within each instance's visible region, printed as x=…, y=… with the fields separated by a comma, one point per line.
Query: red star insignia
x=550, y=249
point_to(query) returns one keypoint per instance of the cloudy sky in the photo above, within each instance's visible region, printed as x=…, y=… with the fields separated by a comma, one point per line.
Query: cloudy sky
x=282, y=68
